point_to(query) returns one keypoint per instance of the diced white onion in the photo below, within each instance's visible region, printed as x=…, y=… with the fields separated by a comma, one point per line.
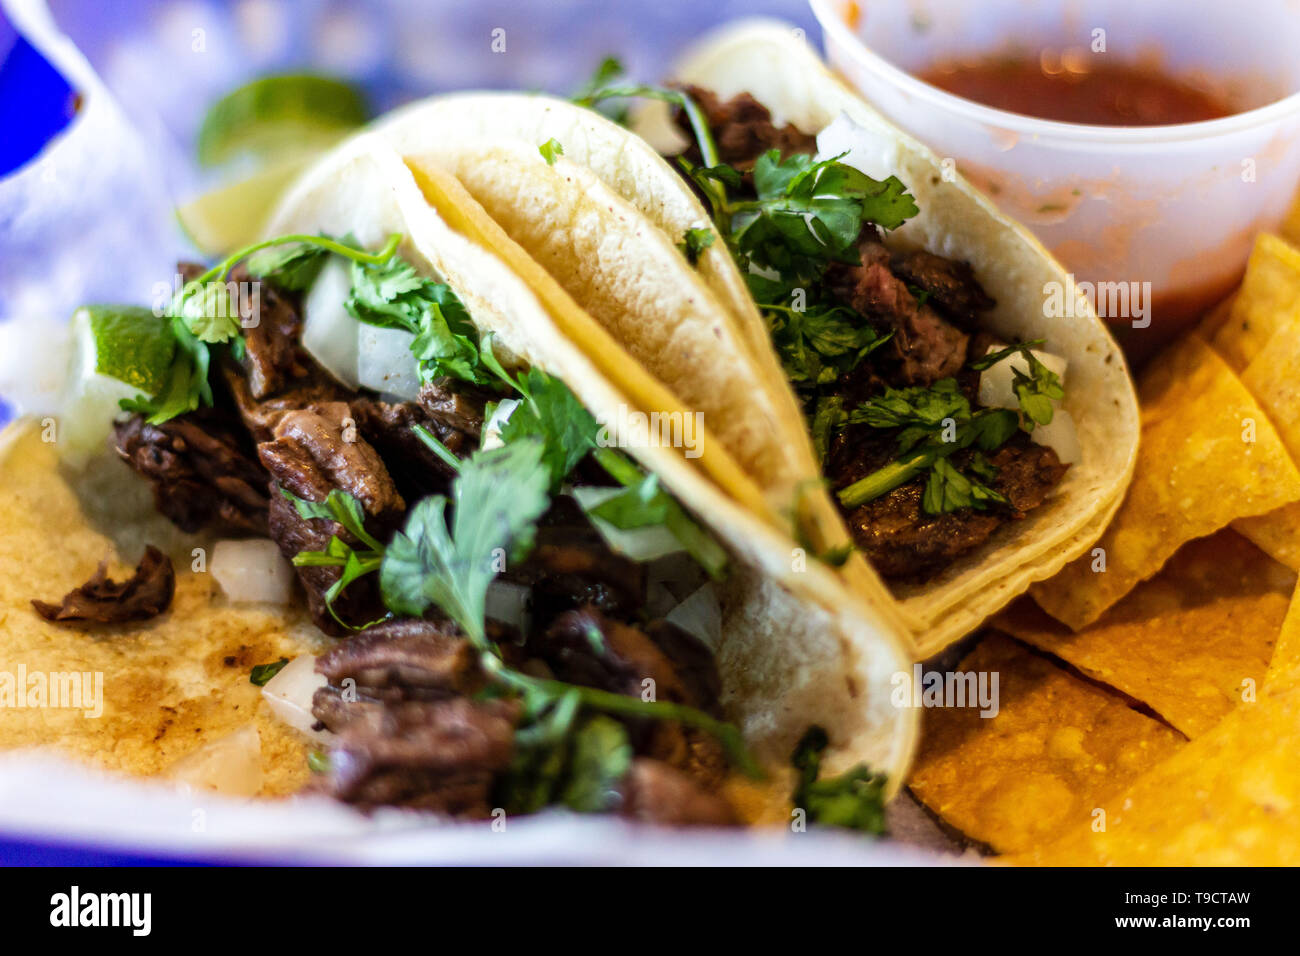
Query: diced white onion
x=289, y=694
x=385, y=362
x=996, y=389
x=1061, y=436
x=700, y=615
x=500, y=415
x=869, y=152
x=252, y=571
x=639, y=544
x=231, y=764
x=329, y=333
x=507, y=602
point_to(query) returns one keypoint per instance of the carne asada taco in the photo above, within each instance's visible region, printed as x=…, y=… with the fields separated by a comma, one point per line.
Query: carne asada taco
x=896, y=364
x=527, y=603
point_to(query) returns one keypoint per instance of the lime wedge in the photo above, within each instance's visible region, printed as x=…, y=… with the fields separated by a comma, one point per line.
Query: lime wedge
x=117, y=352
x=280, y=115
x=231, y=217
x=125, y=342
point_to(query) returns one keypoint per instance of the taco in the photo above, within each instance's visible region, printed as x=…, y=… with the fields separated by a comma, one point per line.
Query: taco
x=466, y=583
x=899, y=367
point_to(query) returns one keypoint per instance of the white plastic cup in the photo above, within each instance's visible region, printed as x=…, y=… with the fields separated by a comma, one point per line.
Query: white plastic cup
x=1174, y=206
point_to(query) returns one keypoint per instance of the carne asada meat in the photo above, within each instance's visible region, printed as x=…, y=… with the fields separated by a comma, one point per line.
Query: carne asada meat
x=906, y=544
x=144, y=595
x=404, y=660
x=589, y=648
x=202, y=469
x=743, y=130
x=316, y=450
x=441, y=755
x=925, y=345
x=453, y=416
x=951, y=285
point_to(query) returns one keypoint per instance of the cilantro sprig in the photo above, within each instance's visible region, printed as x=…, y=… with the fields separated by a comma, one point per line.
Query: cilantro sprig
x=1035, y=389
x=202, y=316
x=341, y=507
x=854, y=799
x=933, y=423
x=496, y=499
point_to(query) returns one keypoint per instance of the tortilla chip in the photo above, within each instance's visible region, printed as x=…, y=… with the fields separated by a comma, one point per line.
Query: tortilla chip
x=1229, y=798
x=1183, y=642
x=1268, y=300
x=1277, y=534
x=1290, y=228
x=1284, y=668
x=169, y=685
x=1058, y=748
x=1196, y=473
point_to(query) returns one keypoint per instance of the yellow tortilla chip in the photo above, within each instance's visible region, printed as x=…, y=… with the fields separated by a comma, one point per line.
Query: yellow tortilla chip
x=1185, y=642
x=1277, y=534
x=1268, y=300
x=1284, y=669
x=1057, y=748
x=1208, y=456
x=1229, y=798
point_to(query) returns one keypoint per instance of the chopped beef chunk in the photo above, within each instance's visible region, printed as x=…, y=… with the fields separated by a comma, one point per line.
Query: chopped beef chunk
x=202, y=468
x=925, y=347
x=146, y=594
x=452, y=416
x=587, y=647
x=274, y=360
x=951, y=285
x=276, y=375
x=572, y=566
x=743, y=129
x=404, y=660
x=430, y=755
x=904, y=543
x=654, y=792
x=316, y=450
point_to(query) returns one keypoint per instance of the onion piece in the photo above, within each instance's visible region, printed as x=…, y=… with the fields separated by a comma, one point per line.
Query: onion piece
x=996, y=382
x=701, y=616
x=508, y=602
x=1061, y=436
x=500, y=415
x=639, y=544
x=252, y=571
x=329, y=333
x=289, y=695
x=868, y=151
x=231, y=764
x=385, y=362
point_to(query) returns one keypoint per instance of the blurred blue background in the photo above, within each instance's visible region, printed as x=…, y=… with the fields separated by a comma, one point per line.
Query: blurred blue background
x=167, y=59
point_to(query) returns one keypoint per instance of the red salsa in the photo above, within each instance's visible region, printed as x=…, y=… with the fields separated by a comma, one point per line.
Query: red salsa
x=1095, y=91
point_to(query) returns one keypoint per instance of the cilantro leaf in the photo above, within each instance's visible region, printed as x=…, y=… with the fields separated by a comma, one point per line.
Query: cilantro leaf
x=853, y=800
x=551, y=413
x=497, y=498
x=343, y=508
x=291, y=267
x=947, y=489
x=694, y=242
x=601, y=758
x=551, y=150
x=1035, y=389
x=393, y=295
x=261, y=674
